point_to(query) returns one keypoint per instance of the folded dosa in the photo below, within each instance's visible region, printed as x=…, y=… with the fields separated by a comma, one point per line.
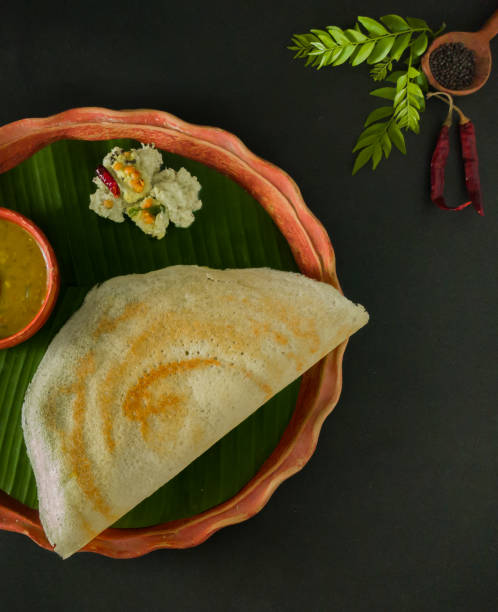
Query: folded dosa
x=152, y=370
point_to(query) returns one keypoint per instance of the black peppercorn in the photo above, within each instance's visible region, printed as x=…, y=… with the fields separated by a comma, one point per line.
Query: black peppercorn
x=453, y=65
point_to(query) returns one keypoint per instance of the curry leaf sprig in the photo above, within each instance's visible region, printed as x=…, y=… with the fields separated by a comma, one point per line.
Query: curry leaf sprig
x=335, y=46
x=380, y=43
x=379, y=71
x=384, y=125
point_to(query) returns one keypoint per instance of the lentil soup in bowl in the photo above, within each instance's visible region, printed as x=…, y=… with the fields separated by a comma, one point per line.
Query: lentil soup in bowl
x=29, y=278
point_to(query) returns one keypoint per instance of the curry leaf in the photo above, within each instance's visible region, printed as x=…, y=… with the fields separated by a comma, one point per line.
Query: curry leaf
x=355, y=35
x=419, y=45
x=400, y=46
x=402, y=81
x=381, y=69
x=395, y=23
x=382, y=48
x=379, y=113
x=338, y=35
x=344, y=55
x=414, y=89
x=394, y=76
x=365, y=141
x=386, y=144
x=362, y=158
x=377, y=156
x=399, y=97
x=414, y=22
x=397, y=137
x=324, y=38
x=421, y=81
x=374, y=27
x=384, y=92
x=363, y=52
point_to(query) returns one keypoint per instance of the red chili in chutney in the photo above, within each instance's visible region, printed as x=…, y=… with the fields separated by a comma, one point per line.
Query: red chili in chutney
x=109, y=181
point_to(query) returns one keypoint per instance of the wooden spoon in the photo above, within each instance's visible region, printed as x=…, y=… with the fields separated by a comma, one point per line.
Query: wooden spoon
x=478, y=42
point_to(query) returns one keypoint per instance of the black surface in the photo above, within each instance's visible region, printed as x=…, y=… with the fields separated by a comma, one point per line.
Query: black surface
x=397, y=510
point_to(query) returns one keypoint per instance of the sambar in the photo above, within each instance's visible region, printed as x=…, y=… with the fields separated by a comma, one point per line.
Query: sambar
x=23, y=278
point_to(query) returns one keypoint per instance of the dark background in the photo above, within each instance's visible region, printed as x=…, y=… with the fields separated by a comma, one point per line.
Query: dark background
x=397, y=510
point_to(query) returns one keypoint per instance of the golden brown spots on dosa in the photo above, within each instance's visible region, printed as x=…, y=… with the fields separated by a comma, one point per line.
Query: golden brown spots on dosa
x=280, y=338
x=267, y=389
x=174, y=328
x=108, y=324
x=290, y=318
x=190, y=327
x=140, y=402
x=74, y=446
x=293, y=321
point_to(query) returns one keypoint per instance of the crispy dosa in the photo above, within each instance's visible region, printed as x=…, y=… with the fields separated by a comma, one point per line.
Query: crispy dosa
x=152, y=370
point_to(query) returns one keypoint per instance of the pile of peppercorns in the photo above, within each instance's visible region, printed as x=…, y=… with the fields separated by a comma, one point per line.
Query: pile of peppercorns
x=453, y=65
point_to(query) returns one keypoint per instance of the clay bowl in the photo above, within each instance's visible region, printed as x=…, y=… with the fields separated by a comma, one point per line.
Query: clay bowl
x=312, y=250
x=478, y=42
x=53, y=279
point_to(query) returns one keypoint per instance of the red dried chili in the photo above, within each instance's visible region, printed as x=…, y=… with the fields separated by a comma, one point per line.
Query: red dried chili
x=470, y=161
x=469, y=155
x=109, y=181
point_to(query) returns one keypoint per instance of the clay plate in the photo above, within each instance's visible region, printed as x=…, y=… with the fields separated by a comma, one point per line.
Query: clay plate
x=312, y=250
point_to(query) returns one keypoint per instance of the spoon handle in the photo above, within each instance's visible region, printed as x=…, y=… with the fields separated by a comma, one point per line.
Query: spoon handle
x=490, y=29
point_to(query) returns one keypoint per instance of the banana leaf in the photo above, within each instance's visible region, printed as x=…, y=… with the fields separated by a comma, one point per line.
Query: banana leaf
x=232, y=230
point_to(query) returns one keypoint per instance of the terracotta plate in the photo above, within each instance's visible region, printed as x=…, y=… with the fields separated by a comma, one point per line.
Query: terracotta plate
x=312, y=250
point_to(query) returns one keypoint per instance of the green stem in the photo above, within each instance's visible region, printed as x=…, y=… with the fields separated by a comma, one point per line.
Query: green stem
x=438, y=32
x=410, y=60
x=352, y=43
x=408, y=104
x=381, y=36
x=388, y=125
